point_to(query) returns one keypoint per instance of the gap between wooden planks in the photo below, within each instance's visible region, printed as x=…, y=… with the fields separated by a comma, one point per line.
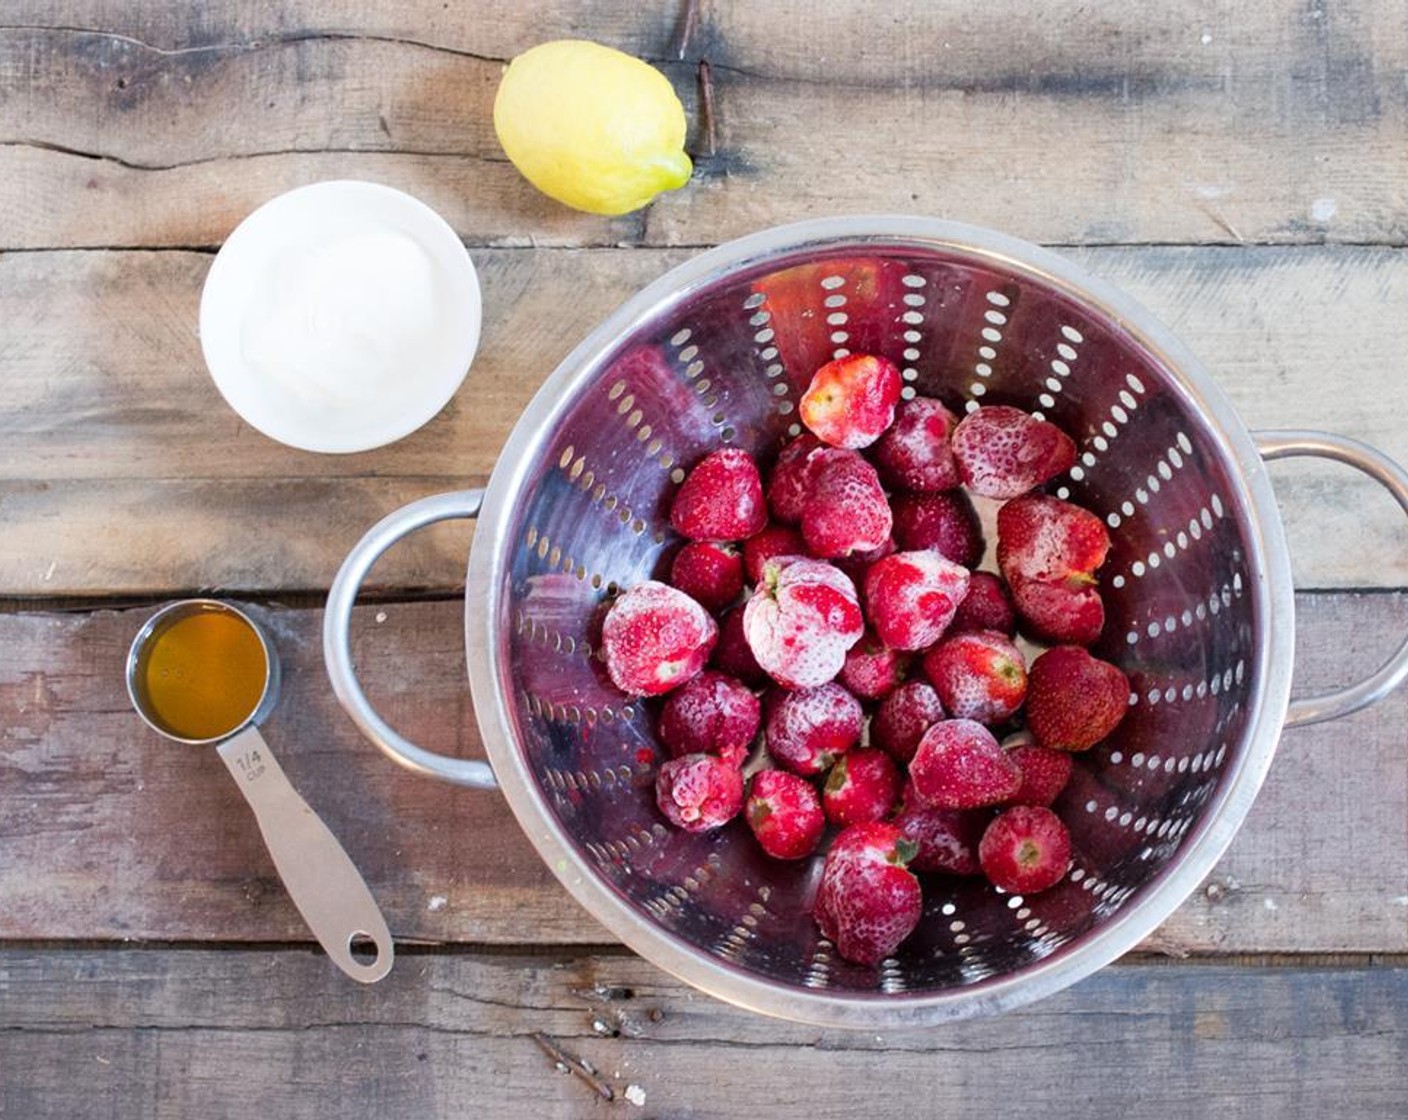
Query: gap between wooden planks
x=112, y=833
x=124, y=472
x=171, y=1034
x=1270, y=122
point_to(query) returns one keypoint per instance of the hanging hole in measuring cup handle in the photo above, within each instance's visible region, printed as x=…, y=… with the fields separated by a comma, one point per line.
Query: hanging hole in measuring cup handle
x=1394, y=479
x=337, y=649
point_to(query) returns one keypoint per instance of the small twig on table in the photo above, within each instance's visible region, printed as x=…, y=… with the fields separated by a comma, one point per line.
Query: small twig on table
x=684, y=32
x=706, y=108
x=574, y=1066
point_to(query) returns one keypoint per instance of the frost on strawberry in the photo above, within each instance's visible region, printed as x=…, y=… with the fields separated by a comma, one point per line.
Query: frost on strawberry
x=847, y=511
x=911, y=597
x=959, y=765
x=807, y=731
x=980, y=675
x=914, y=454
x=712, y=714
x=851, y=400
x=699, y=792
x=801, y=620
x=1049, y=550
x=721, y=499
x=654, y=638
x=1003, y=452
x=868, y=902
x=903, y=717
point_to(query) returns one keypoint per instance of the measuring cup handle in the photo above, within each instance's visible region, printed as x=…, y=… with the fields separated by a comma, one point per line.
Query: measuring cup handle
x=316, y=870
x=1393, y=478
x=337, y=649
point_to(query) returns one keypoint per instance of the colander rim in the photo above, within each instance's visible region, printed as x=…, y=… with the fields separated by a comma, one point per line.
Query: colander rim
x=1270, y=589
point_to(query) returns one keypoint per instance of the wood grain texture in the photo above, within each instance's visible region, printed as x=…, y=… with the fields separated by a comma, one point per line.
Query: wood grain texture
x=1095, y=124
x=249, y=1033
x=110, y=832
x=124, y=471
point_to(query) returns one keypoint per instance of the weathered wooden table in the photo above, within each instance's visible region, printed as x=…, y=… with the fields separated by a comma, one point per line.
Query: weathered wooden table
x=1242, y=169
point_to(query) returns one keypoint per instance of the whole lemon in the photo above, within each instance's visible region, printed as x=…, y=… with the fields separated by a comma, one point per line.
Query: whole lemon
x=591, y=126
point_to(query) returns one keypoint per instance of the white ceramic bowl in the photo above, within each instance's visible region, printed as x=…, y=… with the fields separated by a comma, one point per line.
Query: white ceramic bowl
x=340, y=316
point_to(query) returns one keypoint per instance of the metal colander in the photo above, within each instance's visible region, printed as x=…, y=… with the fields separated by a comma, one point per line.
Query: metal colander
x=1197, y=589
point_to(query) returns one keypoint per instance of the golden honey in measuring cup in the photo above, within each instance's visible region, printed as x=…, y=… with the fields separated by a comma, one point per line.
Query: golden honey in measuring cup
x=200, y=670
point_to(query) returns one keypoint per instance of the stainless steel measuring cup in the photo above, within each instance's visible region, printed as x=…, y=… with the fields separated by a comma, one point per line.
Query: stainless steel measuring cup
x=320, y=877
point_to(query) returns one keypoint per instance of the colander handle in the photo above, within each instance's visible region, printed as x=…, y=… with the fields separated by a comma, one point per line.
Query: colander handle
x=337, y=648
x=1393, y=478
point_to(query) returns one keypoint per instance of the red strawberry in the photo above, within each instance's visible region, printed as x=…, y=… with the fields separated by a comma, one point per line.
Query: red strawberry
x=945, y=523
x=1073, y=699
x=903, y=717
x=915, y=454
x=987, y=606
x=863, y=786
x=851, y=400
x=1049, y=550
x=784, y=813
x=911, y=597
x=847, y=510
x=1025, y=850
x=959, y=765
x=792, y=478
x=980, y=676
x=947, y=838
x=732, y=655
x=655, y=638
x=1045, y=772
x=1003, y=452
x=867, y=902
x=872, y=668
x=721, y=499
x=801, y=620
x=699, y=792
x=710, y=574
x=807, y=731
x=773, y=542
x=712, y=714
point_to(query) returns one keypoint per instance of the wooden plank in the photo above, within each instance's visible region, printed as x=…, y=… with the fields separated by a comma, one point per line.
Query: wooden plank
x=282, y=1034
x=109, y=832
x=1144, y=119
x=116, y=439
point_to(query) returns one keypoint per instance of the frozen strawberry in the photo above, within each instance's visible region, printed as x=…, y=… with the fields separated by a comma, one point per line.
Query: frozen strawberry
x=959, y=765
x=980, y=675
x=903, y=717
x=654, y=638
x=847, y=511
x=862, y=786
x=987, y=606
x=1003, y=452
x=807, y=731
x=868, y=902
x=772, y=542
x=784, y=813
x=710, y=574
x=699, y=792
x=911, y=597
x=1025, y=850
x=792, y=477
x=801, y=620
x=1048, y=550
x=721, y=499
x=732, y=654
x=872, y=668
x=1073, y=699
x=851, y=400
x=915, y=454
x=712, y=714
x=1045, y=772
x=1048, y=540
x=945, y=523
x=947, y=839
